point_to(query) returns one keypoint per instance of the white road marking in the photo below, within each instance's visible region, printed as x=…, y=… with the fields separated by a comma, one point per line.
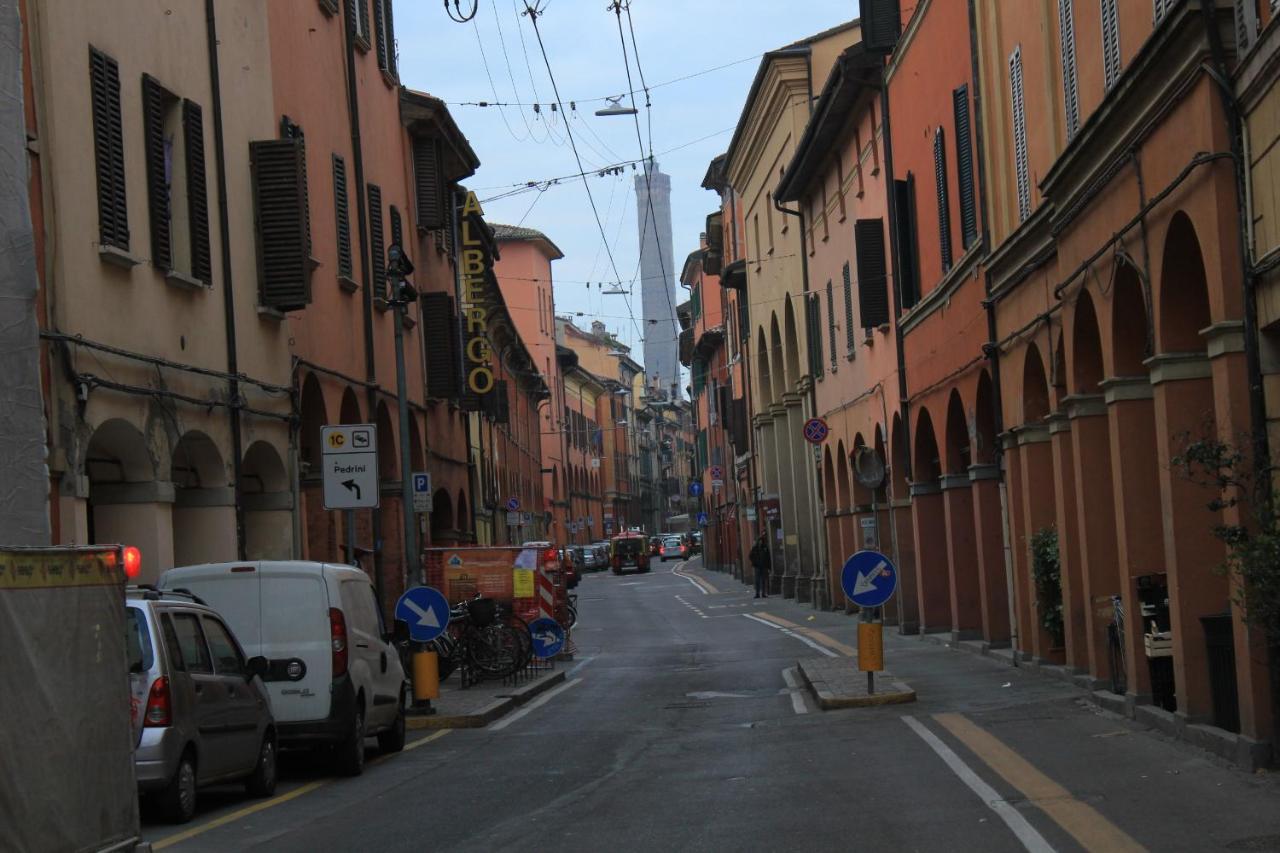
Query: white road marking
x=693, y=581
x=579, y=665
x=534, y=705
x=826, y=651
x=1018, y=825
x=798, y=703
x=694, y=608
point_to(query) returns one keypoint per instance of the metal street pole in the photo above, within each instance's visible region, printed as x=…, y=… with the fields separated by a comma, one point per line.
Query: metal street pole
x=398, y=267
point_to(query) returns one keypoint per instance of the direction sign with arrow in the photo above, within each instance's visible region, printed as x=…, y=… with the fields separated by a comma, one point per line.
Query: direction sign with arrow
x=425, y=610
x=869, y=579
x=349, y=463
x=548, y=637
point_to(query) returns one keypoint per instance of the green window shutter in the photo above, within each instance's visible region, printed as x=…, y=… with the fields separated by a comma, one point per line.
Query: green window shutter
x=964, y=167
x=108, y=150
x=397, y=229
x=440, y=337
x=155, y=98
x=380, y=33
x=279, y=171
x=428, y=184
x=904, y=194
x=849, y=340
x=831, y=323
x=944, y=201
x=342, y=216
x=873, y=290
x=377, y=242
x=197, y=192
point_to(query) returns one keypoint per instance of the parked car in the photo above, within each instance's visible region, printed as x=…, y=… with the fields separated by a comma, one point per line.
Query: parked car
x=674, y=548
x=590, y=559
x=629, y=551
x=201, y=712
x=695, y=542
x=655, y=546
x=335, y=675
x=602, y=554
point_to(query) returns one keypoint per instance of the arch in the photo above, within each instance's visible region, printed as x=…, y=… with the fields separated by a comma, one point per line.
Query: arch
x=417, y=458
x=900, y=468
x=928, y=465
x=763, y=378
x=792, y=343
x=349, y=411
x=861, y=494
x=1184, y=290
x=1059, y=376
x=117, y=453
x=1086, y=347
x=1035, y=388
x=463, y=516
x=776, y=359
x=313, y=416
x=263, y=471
x=829, y=496
x=983, y=450
x=197, y=463
x=843, y=486
x=441, y=516
x=388, y=458
x=1130, y=334
x=959, y=452
x=882, y=492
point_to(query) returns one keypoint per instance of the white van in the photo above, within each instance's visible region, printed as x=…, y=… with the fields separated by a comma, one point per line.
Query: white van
x=334, y=672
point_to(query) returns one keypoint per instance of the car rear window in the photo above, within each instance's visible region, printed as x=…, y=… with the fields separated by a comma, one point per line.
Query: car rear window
x=138, y=640
x=672, y=542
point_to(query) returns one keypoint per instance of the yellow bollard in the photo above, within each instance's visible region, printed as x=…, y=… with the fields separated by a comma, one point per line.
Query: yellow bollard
x=870, y=646
x=426, y=676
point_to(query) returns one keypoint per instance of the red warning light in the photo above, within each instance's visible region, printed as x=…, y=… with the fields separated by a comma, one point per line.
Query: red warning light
x=132, y=562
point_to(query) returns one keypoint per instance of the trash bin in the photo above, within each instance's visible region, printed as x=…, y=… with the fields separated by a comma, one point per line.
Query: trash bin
x=1221, y=656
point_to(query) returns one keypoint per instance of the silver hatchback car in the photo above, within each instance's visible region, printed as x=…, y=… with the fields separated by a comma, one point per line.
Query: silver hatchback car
x=200, y=712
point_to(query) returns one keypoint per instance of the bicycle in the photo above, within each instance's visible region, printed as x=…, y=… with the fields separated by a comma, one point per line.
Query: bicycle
x=566, y=612
x=1115, y=646
x=483, y=641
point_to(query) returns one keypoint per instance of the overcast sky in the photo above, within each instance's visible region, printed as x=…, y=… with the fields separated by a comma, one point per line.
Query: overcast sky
x=692, y=120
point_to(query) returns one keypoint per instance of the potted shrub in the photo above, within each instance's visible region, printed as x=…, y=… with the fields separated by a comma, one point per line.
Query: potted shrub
x=1046, y=573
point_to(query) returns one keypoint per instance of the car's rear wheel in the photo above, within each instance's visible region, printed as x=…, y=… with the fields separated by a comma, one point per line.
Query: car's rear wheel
x=392, y=740
x=350, y=753
x=178, y=799
x=263, y=781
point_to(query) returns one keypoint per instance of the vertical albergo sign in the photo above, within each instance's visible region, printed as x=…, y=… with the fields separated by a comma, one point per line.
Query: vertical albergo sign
x=475, y=303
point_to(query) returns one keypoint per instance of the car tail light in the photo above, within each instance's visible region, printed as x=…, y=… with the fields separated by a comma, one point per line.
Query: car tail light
x=159, y=711
x=338, y=640
x=132, y=562
x=550, y=556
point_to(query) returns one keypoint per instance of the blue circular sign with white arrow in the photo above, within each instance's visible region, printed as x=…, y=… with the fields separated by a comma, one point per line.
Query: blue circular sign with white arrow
x=548, y=637
x=869, y=578
x=426, y=611
x=695, y=488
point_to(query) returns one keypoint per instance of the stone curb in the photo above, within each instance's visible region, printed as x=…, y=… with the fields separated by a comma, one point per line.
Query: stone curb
x=498, y=708
x=895, y=692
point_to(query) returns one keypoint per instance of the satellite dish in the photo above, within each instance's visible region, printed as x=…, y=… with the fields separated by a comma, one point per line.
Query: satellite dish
x=868, y=467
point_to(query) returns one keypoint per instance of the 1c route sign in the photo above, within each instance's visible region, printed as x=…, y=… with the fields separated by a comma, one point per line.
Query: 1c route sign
x=869, y=579
x=349, y=461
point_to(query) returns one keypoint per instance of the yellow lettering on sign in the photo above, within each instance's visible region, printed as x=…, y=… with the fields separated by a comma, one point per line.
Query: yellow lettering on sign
x=478, y=349
x=475, y=320
x=473, y=290
x=337, y=439
x=471, y=205
x=480, y=380
x=472, y=262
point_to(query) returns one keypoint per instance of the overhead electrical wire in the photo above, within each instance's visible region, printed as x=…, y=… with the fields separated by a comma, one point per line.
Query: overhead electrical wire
x=501, y=112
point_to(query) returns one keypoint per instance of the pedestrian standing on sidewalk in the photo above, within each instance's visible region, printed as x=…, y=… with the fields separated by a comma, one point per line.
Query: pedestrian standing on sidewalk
x=761, y=562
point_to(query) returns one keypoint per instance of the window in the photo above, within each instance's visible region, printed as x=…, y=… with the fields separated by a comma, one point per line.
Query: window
x=964, y=167
x=1110, y=43
x=138, y=640
x=173, y=135
x=397, y=229
x=384, y=36
x=831, y=323
x=848, y=309
x=441, y=336
x=826, y=229
x=873, y=290
x=1246, y=22
x=377, y=243
x=227, y=659
x=342, y=217
x=768, y=212
x=944, y=203
x=840, y=183
x=108, y=150
x=358, y=21
x=813, y=333
x=1020, y=135
x=428, y=184
x=758, y=248
x=1067, y=41
x=857, y=165
x=190, y=639
x=279, y=170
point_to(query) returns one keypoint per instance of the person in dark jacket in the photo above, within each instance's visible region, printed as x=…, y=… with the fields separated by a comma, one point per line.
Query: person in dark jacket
x=761, y=562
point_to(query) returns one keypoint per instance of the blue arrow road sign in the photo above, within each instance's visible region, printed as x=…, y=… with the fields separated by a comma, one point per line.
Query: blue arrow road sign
x=702, y=519
x=869, y=579
x=426, y=611
x=548, y=637
x=695, y=488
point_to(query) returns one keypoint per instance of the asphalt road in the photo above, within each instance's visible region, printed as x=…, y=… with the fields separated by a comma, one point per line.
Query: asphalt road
x=680, y=728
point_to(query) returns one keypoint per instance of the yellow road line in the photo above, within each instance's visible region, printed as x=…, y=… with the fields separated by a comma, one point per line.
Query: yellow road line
x=699, y=581
x=1082, y=822
x=813, y=634
x=275, y=801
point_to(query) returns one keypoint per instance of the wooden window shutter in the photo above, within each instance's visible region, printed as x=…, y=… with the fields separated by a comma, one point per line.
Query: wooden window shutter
x=881, y=24
x=1246, y=24
x=1111, y=42
x=849, y=340
x=1020, y=135
x=744, y=318
x=904, y=193
x=440, y=337
x=397, y=229
x=831, y=323
x=154, y=100
x=108, y=150
x=197, y=192
x=427, y=184
x=740, y=424
x=724, y=403
x=1067, y=42
x=944, y=202
x=873, y=290
x=389, y=23
x=813, y=331
x=380, y=33
x=279, y=168
x=342, y=216
x=377, y=243
x=964, y=168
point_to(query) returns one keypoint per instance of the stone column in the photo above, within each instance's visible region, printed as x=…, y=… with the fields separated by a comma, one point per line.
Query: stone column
x=139, y=514
x=1183, y=387
x=788, y=422
x=933, y=590
x=962, y=557
x=1021, y=571
x=1074, y=620
x=1135, y=487
x=1036, y=456
x=204, y=526
x=1096, y=562
x=989, y=552
x=767, y=449
x=906, y=604
x=267, y=532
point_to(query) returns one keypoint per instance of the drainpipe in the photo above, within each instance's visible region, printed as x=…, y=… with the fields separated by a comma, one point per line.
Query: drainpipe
x=228, y=294
x=366, y=302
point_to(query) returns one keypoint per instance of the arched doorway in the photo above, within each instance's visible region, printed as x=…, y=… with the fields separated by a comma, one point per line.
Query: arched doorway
x=962, y=550
x=1039, y=512
x=443, y=530
x=929, y=516
x=320, y=533
x=268, y=504
x=204, y=513
x=984, y=473
x=126, y=505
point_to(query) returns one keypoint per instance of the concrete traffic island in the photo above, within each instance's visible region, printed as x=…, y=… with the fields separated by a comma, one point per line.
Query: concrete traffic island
x=837, y=683
x=481, y=704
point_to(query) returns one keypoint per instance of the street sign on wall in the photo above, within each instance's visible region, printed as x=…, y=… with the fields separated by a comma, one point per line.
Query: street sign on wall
x=422, y=492
x=816, y=430
x=349, y=466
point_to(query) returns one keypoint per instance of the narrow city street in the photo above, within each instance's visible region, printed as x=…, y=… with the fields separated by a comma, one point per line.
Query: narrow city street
x=681, y=726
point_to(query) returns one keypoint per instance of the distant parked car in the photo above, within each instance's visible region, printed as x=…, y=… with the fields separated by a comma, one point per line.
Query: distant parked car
x=201, y=712
x=655, y=546
x=674, y=548
x=590, y=559
x=335, y=675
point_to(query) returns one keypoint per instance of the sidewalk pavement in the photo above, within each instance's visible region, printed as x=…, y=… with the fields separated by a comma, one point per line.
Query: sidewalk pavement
x=481, y=704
